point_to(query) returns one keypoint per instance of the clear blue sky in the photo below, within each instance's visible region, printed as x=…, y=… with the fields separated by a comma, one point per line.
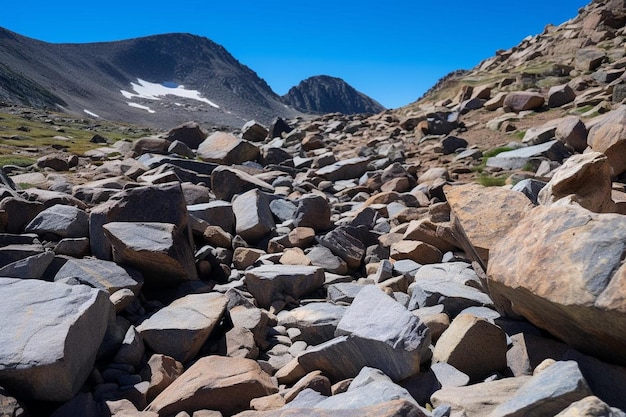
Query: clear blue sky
x=392, y=50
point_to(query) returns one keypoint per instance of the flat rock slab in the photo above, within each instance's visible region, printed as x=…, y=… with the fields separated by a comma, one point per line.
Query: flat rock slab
x=483, y=215
x=317, y=322
x=158, y=250
x=180, y=329
x=226, y=182
x=227, y=149
x=215, y=383
x=389, y=409
x=61, y=220
x=50, y=335
x=345, y=169
x=561, y=268
x=553, y=150
x=268, y=283
x=97, y=273
x=253, y=217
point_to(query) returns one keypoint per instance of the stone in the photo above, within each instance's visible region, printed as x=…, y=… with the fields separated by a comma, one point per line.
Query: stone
x=323, y=257
x=253, y=131
x=312, y=211
x=180, y=329
x=375, y=331
x=55, y=162
x=215, y=383
x=226, y=182
x=313, y=380
x=215, y=213
x=417, y=251
x=483, y=215
x=540, y=134
x=101, y=274
x=51, y=334
x=32, y=267
x=523, y=100
x=226, y=149
x=179, y=148
x=216, y=236
x=387, y=409
x=188, y=133
x=473, y=346
x=253, y=319
x=160, y=371
x=269, y=283
x=427, y=231
x=240, y=343
x=553, y=150
x=158, y=250
x=317, y=321
x=588, y=59
x=154, y=203
x=547, y=393
x=74, y=247
x=19, y=213
x=590, y=406
x=345, y=169
x=496, y=101
x=343, y=291
x=583, y=179
x=560, y=95
x=344, y=245
x=587, y=311
x=60, y=220
x=573, y=132
x=150, y=145
x=294, y=256
x=609, y=137
x=132, y=350
x=530, y=188
x=277, y=128
x=253, y=217
x=451, y=144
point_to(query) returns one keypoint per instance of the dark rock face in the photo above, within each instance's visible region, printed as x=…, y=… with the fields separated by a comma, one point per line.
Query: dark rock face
x=324, y=94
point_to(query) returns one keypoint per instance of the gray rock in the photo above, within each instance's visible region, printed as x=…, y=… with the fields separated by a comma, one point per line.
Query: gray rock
x=312, y=211
x=253, y=217
x=589, y=407
x=452, y=143
x=215, y=213
x=317, y=322
x=518, y=158
x=323, y=257
x=518, y=101
x=51, y=334
x=268, y=283
x=345, y=169
x=343, y=291
x=226, y=182
x=573, y=132
x=253, y=131
x=74, y=247
x=132, y=350
x=158, y=250
x=15, y=253
x=343, y=244
x=19, y=212
x=179, y=148
x=588, y=59
x=560, y=95
x=32, y=267
x=226, y=149
x=101, y=274
x=530, y=188
x=188, y=133
x=180, y=329
x=283, y=209
x=547, y=393
x=61, y=220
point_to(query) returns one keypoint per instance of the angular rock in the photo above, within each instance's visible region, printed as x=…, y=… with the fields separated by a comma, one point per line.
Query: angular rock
x=473, y=346
x=215, y=213
x=19, y=213
x=158, y=250
x=540, y=254
x=345, y=169
x=483, y=215
x=323, y=257
x=583, y=179
x=560, y=95
x=226, y=149
x=226, y=182
x=317, y=322
x=609, y=137
x=32, y=267
x=273, y=282
x=344, y=245
x=180, y=329
x=215, y=383
x=590, y=407
x=50, y=336
x=573, y=132
x=547, y=393
x=61, y=220
x=588, y=59
x=253, y=131
x=188, y=133
x=522, y=100
x=553, y=150
x=416, y=251
x=277, y=128
x=389, y=409
x=101, y=274
x=312, y=211
x=253, y=217
x=160, y=371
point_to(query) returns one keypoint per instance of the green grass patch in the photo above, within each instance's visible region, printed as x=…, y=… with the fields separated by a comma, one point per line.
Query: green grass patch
x=20, y=161
x=495, y=151
x=489, y=181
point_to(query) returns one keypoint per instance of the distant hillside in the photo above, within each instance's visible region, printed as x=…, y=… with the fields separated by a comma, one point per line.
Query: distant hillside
x=157, y=81
x=324, y=94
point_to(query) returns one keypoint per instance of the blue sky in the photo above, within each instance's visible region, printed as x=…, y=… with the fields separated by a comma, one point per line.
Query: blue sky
x=392, y=50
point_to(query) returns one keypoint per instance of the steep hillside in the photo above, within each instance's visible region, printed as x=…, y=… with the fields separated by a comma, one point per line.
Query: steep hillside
x=157, y=81
x=324, y=94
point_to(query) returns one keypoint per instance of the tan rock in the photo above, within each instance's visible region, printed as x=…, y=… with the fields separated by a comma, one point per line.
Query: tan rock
x=215, y=383
x=294, y=256
x=591, y=406
x=518, y=101
x=609, y=137
x=583, y=179
x=160, y=371
x=245, y=257
x=227, y=149
x=313, y=380
x=387, y=409
x=430, y=232
x=561, y=268
x=415, y=250
x=483, y=215
x=267, y=403
x=218, y=237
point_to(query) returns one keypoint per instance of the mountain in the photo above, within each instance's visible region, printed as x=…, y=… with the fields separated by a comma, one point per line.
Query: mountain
x=157, y=81
x=325, y=94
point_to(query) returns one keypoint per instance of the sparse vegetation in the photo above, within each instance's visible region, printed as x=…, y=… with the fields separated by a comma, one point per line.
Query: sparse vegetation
x=490, y=181
x=17, y=160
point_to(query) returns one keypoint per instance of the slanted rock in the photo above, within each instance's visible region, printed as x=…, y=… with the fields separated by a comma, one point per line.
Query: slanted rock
x=573, y=132
x=215, y=383
x=540, y=254
x=180, y=329
x=609, y=137
x=312, y=211
x=60, y=220
x=158, y=250
x=253, y=217
x=268, y=283
x=523, y=100
x=344, y=245
x=226, y=149
x=345, y=169
x=317, y=322
x=32, y=267
x=97, y=273
x=226, y=182
x=51, y=334
x=553, y=150
x=188, y=133
x=560, y=95
x=253, y=131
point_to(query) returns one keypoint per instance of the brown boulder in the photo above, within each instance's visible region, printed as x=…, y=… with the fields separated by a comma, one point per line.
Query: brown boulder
x=518, y=101
x=609, y=137
x=227, y=149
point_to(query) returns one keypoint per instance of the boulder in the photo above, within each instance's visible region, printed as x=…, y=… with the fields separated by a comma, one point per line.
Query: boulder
x=590, y=406
x=324, y=258
x=215, y=213
x=60, y=220
x=317, y=322
x=573, y=132
x=312, y=211
x=188, y=133
x=101, y=274
x=560, y=95
x=227, y=182
x=215, y=383
x=226, y=149
x=160, y=371
x=343, y=244
x=553, y=150
x=345, y=169
x=483, y=215
x=158, y=250
x=473, y=346
x=50, y=335
x=523, y=100
x=277, y=128
x=253, y=217
x=32, y=267
x=268, y=283
x=588, y=59
x=253, y=131
x=540, y=254
x=583, y=179
x=420, y=252
x=19, y=213
x=180, y=329
x=609, y=137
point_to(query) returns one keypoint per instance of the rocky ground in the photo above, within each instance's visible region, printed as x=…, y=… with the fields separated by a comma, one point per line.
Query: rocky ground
x=463, y=257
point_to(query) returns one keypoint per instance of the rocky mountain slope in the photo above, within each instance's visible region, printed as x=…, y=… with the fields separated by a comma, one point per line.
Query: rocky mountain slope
x=462, y=256
x=324, y=94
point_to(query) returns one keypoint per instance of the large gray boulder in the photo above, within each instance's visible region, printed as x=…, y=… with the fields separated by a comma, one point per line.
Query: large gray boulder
x=269, y=283
x=61, y=220
x=553, y=150
x=50, y=336
x=226, y=149
x=345, y=169
x=158, y=250
x=226, y=182
x=253, y=217
x=317, y=322
x=100, y=274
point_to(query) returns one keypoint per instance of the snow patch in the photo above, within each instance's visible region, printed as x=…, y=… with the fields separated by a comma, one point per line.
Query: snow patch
x=142, y=107
x=91, y=113
x=152, y=91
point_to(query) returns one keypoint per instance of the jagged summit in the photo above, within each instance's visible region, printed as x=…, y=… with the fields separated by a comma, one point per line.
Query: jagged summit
x=325, y=94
